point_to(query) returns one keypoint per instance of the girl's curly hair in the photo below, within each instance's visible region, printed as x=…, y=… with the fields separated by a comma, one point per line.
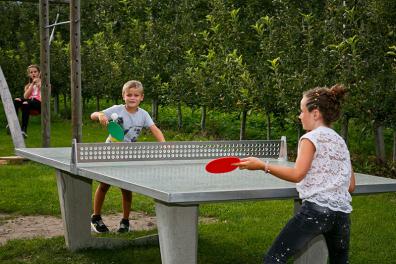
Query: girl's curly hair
x=327, y=101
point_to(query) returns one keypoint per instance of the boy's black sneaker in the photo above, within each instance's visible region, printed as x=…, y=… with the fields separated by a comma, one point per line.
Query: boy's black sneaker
x=124, y=226
x=97, y=224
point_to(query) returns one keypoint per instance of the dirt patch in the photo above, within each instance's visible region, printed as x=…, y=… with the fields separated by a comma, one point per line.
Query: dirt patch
x=25, y=227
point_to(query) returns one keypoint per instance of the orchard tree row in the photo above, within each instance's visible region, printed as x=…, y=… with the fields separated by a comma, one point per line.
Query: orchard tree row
x=234, y=56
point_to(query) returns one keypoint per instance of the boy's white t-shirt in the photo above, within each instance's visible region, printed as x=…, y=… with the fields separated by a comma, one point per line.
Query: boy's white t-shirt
x=132, y=123
x=327, y=181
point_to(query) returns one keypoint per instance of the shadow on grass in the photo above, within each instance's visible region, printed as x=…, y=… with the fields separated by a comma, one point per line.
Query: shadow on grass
x=53, y=250
x=213, y=247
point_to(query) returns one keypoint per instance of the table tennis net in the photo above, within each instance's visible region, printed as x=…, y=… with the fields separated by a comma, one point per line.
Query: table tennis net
x=182, y=150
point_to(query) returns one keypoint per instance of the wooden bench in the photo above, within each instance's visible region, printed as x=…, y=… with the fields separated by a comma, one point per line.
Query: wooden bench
x=11, y=160
x=34, y=112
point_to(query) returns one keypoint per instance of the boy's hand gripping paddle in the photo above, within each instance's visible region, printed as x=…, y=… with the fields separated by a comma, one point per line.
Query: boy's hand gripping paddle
x=115, y=130
x=222, y=165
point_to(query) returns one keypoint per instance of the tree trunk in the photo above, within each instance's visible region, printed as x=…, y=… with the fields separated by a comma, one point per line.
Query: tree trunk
x=203, y=118
x=97, y=103
x=394, y=146
x=56, y=103
x=379, y=143
x=268, y=126
x=65, y=105
x=299, y=132
x=179, y=116
x=242, y=131
x=154, y=110
x=344, y=128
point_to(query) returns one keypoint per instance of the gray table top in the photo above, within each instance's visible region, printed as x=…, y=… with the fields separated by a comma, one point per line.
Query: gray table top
x=186, y=181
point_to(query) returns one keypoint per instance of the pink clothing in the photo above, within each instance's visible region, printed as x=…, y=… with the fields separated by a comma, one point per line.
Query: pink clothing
x=36, y=93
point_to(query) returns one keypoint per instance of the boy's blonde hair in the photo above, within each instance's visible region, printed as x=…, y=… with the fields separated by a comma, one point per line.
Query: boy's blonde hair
x=132, y=84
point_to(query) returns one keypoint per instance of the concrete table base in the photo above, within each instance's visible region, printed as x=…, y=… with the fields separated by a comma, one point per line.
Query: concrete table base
x=316, y=250
x=75, y=197
x=178, y=234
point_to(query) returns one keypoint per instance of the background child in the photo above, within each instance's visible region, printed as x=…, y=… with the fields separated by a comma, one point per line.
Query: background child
x=31, y=99
x=324, y=178
x=133, y=119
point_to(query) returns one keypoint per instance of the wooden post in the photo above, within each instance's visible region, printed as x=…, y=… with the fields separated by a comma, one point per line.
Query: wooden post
x=45, y=73
x=75, y=68
x=10, y=112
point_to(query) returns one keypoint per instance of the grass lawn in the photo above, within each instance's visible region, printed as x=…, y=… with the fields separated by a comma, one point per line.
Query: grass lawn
x=243, y=232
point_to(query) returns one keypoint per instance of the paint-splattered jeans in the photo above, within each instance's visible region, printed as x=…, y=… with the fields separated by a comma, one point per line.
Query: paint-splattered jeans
x=310, y=221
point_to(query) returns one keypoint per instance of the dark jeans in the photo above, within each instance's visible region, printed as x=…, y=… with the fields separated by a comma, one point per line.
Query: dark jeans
x=26, y=105
x=310, y=221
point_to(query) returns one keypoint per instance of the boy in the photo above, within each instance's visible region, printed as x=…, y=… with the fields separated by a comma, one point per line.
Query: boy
x=132, y=118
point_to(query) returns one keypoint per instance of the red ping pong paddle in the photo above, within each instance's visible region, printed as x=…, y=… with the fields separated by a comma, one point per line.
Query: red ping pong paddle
x=222, y=165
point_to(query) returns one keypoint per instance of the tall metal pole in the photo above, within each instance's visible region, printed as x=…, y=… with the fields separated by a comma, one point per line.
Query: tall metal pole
x=75, y=63
x=45, y=73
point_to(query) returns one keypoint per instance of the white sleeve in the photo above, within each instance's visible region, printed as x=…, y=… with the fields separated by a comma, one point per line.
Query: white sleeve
x=111, y=110
x=148, y=121
x=311, y=137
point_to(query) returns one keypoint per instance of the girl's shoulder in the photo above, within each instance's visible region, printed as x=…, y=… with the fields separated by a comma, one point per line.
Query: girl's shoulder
x=313, y=135
x=323, y=134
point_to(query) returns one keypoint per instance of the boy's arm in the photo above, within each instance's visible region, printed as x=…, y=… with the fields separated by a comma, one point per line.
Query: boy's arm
x=157, y=133
x=103, y=120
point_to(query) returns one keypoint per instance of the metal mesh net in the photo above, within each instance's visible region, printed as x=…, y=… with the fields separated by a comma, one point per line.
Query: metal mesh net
x=186, y=150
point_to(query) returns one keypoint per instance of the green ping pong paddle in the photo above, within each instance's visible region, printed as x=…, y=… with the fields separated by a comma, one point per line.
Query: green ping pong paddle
x=115, y=130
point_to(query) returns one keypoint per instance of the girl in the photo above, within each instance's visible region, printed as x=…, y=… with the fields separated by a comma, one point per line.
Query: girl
x=31, y=97
x=324, y=178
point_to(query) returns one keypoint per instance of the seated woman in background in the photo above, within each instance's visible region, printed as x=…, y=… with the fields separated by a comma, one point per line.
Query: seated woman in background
x=31, y=100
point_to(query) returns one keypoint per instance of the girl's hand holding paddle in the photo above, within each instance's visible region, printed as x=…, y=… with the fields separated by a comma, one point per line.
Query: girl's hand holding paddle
x=250, y=163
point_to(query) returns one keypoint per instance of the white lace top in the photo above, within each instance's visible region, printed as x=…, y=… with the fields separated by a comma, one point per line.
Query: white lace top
x=327, y=181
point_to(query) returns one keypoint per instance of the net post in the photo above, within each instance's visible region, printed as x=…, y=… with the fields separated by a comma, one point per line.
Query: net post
x=283, y=149
x=73, y=159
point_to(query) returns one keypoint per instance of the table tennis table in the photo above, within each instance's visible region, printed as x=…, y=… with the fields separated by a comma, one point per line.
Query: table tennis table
x=173, y=174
